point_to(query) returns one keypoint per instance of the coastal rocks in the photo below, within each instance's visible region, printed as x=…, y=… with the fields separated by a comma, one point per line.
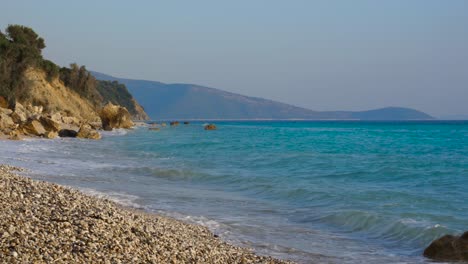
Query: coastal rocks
x=51, y=134
x=6, y=122
x=88, y=133
x=67, y=133
x=34, y=121
x=15, y=135
x=18, y=117
x=114, y=116
x=186, y=123
x=210, y=127
x=448, y=248
x=49, y=124
x=33, y=127
x=70, y=120
x=175, y=123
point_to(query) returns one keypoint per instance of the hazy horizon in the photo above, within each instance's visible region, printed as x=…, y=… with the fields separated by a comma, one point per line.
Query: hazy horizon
x=319, y=55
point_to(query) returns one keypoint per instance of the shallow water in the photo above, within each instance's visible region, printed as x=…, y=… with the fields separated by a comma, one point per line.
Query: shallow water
x=346, y=192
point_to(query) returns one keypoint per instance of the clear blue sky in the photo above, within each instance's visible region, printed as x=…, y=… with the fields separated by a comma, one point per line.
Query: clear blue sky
x=323, y=55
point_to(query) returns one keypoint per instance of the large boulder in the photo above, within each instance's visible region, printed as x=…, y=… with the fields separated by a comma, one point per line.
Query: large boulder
x=19, y=114
x=51, y=134
x=57, y=117
x=18, y=117
x=88, y=133
x=6, y=121
x=67, y=133
x=114, y=116
x=448, y=248
x=49, y=124
x=33, y=127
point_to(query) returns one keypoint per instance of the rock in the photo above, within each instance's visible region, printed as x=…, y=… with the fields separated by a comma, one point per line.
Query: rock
x=448, y=248
x=88, y=133
x=95, y=125
x=15, y=135
x=51, y=134
x=163, y=124
x=114, y=116
x=57, y=117
x=19, y=114
x=5, y=111
x=67, y=133
x=175, y=123
x=6, y=122
x=49, y=124
x=34, y=127
x=3, y=102
x=70, y=120
x=210, y=127
x=18, y=117
x=153, y=128
x=186, y=123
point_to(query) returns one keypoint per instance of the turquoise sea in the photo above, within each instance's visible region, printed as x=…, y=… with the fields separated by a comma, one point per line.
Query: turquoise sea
x=313, y=192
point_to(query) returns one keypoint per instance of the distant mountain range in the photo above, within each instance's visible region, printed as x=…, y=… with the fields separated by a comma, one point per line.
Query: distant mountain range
x=188, y=101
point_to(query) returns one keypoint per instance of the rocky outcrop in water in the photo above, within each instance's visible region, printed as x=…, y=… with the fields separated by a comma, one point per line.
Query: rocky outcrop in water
x=448, y=248
x=210, y=127
x=114, y=116
x=88, y=133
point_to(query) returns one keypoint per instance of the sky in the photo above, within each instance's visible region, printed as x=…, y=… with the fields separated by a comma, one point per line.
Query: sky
x=322, y=55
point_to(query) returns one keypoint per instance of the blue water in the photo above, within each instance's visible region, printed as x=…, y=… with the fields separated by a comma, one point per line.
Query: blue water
x=324, y=192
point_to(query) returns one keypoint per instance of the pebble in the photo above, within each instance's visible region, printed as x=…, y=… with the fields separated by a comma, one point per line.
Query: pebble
x=52, y=223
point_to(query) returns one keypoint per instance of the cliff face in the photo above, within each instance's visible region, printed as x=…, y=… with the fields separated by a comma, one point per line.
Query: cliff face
x=54, y=96
x=139, y=113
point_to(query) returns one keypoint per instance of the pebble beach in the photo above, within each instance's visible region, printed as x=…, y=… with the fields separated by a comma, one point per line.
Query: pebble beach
x=42, y=222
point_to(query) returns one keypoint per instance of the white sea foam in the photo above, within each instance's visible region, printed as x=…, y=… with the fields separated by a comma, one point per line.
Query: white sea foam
x=124, y=199
x=115, y=132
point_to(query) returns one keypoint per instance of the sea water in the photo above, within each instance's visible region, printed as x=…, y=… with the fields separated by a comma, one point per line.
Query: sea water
x=320, y=192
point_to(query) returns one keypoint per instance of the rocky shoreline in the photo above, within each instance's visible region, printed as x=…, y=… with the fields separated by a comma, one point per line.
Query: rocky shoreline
x=18, y=121
x=42, y=222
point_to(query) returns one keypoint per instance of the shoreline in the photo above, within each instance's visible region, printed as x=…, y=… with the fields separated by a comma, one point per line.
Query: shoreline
x=43, y=221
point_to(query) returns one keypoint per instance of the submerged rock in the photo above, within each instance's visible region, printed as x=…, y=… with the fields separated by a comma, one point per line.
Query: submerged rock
x=153, y=128
x=210, y=127
x=448, y=248
x=114, y=116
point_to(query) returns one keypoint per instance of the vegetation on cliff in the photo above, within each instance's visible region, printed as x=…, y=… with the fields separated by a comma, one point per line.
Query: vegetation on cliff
x=21, y=51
